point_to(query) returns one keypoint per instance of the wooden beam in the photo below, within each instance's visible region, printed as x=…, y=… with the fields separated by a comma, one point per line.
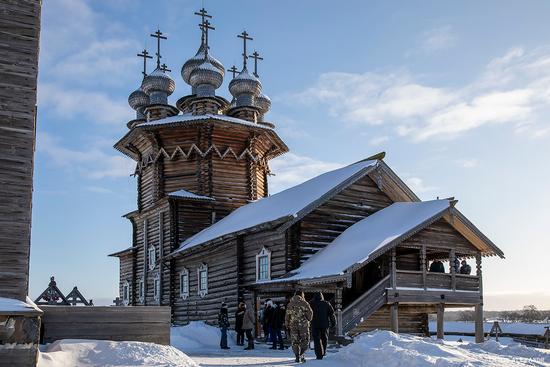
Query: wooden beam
x=393, y=270
x=479, y=323
x=423, y=265
x=338, y=302
x=394, y=318
x=440, y=315
x=452, y=259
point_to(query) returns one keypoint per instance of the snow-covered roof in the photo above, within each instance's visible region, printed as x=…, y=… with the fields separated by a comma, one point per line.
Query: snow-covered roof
x=369, y=237
x=189, y=118
x=184, y=194
x=15, y=306
x=289, y=203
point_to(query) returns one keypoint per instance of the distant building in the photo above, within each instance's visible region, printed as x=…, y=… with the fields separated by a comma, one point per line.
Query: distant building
x=206, y=231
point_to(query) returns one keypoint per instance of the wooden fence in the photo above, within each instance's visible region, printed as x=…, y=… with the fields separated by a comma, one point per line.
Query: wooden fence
x=146, y=324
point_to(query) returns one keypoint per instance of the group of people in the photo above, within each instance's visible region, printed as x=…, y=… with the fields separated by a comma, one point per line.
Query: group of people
x=461, y=267
x=301, y=321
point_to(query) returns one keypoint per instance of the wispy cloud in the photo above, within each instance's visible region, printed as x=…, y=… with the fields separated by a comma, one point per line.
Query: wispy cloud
x=467, y=162
x=90, y=163
x=379, y=140
x=439, y=38
x=292, y=169
x=418, y=185
x=513, y=90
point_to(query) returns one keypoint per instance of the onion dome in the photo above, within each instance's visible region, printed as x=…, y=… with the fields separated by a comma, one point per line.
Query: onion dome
x=206, y=78
x=263, y=102
x=245, y=87
x=138, y=99
x=197, y=60
x=158, y=85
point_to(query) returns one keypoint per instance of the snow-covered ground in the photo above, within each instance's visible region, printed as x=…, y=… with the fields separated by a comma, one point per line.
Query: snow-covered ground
x=198, y=344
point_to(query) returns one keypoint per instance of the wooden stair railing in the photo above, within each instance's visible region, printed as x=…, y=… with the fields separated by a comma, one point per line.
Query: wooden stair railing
x=364, y=306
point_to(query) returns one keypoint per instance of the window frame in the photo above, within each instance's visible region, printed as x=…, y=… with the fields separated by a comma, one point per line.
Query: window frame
x=264, y=253
x=156, y=288
x=141, y=290
x=200, y=290
x=151, y=260
x=184, y=294
x=126, y=293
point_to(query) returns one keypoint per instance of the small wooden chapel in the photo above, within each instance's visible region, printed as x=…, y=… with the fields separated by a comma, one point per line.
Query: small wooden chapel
x=206, y=230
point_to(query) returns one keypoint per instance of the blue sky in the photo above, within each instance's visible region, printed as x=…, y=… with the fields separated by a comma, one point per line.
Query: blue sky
x=457, y=94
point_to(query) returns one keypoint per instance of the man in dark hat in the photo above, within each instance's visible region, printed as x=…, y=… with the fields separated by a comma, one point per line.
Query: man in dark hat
x=323, y=319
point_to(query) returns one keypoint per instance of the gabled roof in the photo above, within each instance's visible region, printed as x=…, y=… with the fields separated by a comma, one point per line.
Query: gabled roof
x=370, y=237
x=123, y=252
x=285, y=205
x=184, y=194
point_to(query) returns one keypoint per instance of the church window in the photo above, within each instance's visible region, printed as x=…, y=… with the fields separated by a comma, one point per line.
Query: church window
x=202, y=275
x=141, y=289
x=263, y=265
x=126, y=293
x=156, y=288
x=152, y=255
x=184, y=283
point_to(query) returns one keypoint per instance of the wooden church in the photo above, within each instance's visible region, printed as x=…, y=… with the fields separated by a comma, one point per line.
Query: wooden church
x=206, y=230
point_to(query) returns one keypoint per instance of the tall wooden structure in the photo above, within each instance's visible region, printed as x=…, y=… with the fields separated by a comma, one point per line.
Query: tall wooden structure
x=206, y=231
x=19, y=42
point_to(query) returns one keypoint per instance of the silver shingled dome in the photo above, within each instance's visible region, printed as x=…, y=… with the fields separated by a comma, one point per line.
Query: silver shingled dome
x=263, y=102
x=138, y=99
x=245, y=83
x=197, y=60
x=158, y=81
x=206, y=73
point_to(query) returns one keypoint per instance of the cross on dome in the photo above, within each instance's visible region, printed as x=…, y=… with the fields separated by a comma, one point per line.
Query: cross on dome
x=145, y=56
x=203, y=13
x=256, y=57
x=233, y=70
x=158, y=35
x=205, y=26
x=164, y=68
x=244, y=35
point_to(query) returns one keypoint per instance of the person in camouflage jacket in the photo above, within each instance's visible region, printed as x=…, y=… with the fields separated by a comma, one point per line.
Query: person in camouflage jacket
x=297, y=320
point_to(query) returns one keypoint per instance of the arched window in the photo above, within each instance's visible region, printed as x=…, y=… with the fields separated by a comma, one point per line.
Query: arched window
x=152, y=256
x=202, y=280
x=126, y=293
x=184, y=283
x=263, y=265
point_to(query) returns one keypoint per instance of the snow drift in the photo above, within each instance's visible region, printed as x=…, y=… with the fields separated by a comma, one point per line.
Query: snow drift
x=95, y=353
x=198, y=335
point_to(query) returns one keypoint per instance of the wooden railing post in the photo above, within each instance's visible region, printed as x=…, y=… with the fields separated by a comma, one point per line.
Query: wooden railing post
x=452, y=259
x=393, y=270
x=423, y=265
x=479, y=323
x=338, y=301
x=394, y=314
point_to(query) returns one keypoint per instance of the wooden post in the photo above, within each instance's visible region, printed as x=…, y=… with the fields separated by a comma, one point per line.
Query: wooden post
x=440, y=316
x=479, y=272
x=546, y=337
x=145, y=261
x=452, y=259
x=479, y=323
x=393, y=270
x=423, y=265
x=394, y=317
x=338, y=302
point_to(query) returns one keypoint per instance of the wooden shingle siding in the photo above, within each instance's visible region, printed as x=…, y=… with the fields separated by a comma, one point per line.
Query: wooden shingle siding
x=19, y=41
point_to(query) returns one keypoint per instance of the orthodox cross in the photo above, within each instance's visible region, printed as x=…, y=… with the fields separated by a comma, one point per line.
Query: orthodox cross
x=164, y=68
x=205, y=26
x=256, y=57
x=245, y=37
x=233, y=70
x=204, y=15
x=145, y=56
x=158, y=35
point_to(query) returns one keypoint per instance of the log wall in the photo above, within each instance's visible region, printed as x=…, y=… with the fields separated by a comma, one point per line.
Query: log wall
x=19, y=42
x=145, y=324
x=412, y=320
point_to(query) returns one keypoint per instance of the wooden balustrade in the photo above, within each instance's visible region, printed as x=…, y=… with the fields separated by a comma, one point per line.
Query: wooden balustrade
x=415, y=279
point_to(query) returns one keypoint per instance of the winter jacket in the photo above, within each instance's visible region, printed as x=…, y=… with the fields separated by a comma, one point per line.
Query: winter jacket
x=248, y=319
x=298, y=313
x=239, y=315
x=437, y=267
x=323, y=313
x=277, y=318
x=223, y=320
x=465, y=269
x=267, y=315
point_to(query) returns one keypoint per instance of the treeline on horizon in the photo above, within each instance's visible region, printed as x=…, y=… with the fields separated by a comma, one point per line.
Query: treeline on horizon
x=528, y=314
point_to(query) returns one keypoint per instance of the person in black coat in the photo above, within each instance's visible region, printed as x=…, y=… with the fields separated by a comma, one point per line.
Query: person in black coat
x=223, y=324
x=239, y=315
x=437, y=267
x=277, y=322
x=323, y=319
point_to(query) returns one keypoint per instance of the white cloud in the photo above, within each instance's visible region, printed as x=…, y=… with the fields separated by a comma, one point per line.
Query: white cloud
x=292, y=169
x=379, y=140
x=513, y=89
x=438, y=39
x=467, y=162
x=92, y=163
x=94, y=106
x=418, y=186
